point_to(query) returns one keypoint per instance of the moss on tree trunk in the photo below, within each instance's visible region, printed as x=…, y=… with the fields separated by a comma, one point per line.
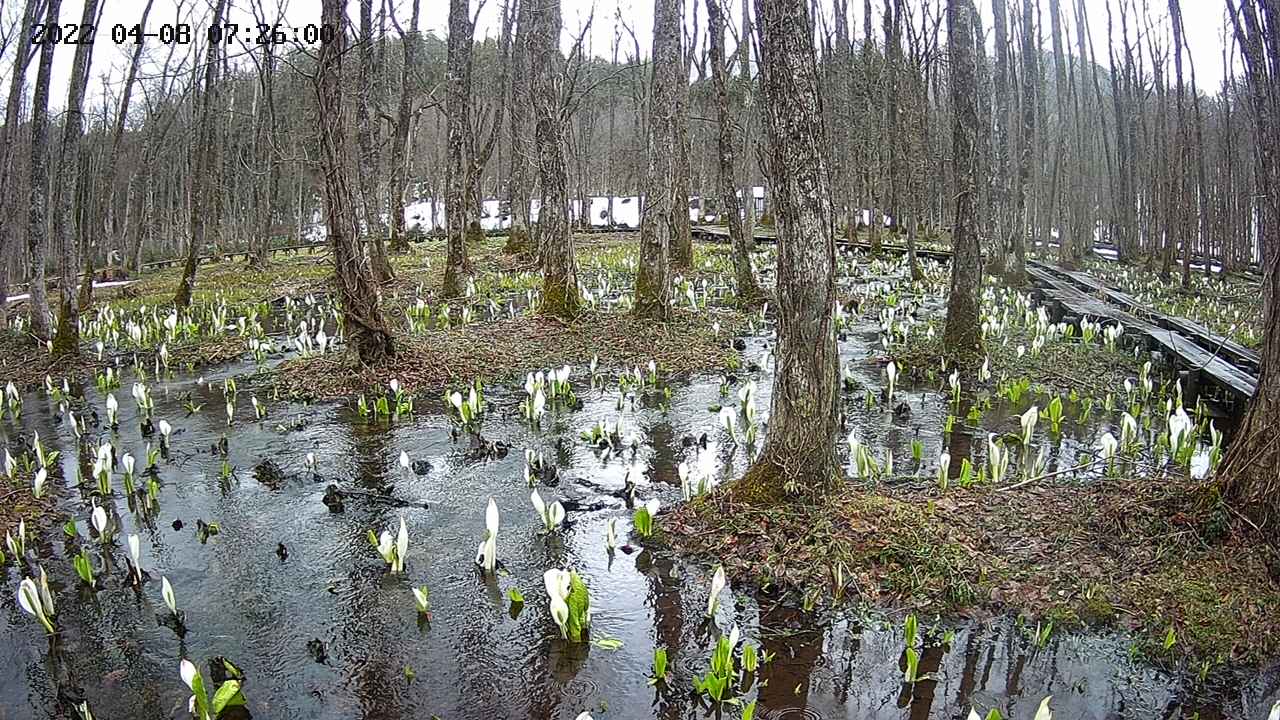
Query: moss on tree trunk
x=799, y=448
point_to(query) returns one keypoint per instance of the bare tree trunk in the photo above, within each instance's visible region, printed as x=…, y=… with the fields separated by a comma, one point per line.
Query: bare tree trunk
x=1066, y=253
x=67, y=341
x=9, y=228
x=745, y=279
x=1248, y=474
x=653, y=277
x=555, y=240
x=799, y=452
x=519, y=192
x=998, y=259
x=961, y=338
x=361, y=316
x=681, y=231
x=410, y=42
x=37, y=228
x=749, y=116
x=266, y=190
x=1015, y=271
x=201, y=207
x=457, y=211
x=367, y=167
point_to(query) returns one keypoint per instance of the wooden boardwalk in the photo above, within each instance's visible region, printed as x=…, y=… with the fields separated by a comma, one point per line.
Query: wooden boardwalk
x=1205, y=360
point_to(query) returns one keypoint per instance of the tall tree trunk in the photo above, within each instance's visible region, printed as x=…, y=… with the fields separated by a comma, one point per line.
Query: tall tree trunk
x=1066, y=253
x=38, y=205
x=457, y=178
x=66, y=199
x=799, y=452
x=362, y=318
x=519, y=180
x=266, y=189
x=555, y=241
x=9, y=228
x=1015, y=270
x=1249, y=475
x=368, y=166
x=111, y=171
x=202, y=209
x=411, y=43
x=961, y=338
x=681, y=231
x=749, y=116
x=998, y=259
x=653, y=277
x=745, y=279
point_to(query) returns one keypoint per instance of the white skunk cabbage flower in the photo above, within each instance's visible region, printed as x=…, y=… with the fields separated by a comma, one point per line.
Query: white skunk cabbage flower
x=402, y=546
x=1180, y=427
x=717, y=587
x=487, y=552
x=37, y=483
x=1109, y=445
x=1028, y=420
x=552, y=515
x=611, y=534
x=891, y=371
x=166, y=592
x=30, y=602
x=99, y=520
x=729, y=421
x=557, y=585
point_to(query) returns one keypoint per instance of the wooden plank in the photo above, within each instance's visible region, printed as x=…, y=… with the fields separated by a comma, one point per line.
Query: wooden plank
x=1238, y=353
x=1189, y=352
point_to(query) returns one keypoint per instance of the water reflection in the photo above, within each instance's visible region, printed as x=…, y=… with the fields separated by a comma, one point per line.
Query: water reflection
x=475, y=658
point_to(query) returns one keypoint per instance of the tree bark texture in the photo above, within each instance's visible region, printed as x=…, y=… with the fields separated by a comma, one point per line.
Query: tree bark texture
x=799, y=452
x=202, y=207
x=9, y=229
x=457, y=208
x=369, y=165
x=411, y=43
x=555, y=240
x=66, y=200
x=653, y=277
x=1250, y=472
x=38, y=205
x=747, y=287
x=362, y=318
x=961, y=338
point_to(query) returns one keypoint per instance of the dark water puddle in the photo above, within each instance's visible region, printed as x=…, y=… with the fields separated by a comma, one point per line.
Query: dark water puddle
x=332, y=599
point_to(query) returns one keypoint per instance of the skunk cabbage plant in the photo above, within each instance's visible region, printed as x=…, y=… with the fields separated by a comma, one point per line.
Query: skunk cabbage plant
x=393, y=551
x=487, y=552
x=570, y=603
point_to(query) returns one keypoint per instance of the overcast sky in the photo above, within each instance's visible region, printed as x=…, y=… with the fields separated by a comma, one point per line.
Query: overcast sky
x=1204, y=21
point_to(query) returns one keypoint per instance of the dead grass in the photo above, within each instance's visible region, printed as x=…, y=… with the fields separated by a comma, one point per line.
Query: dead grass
x=1119, y=553
x=505, y=348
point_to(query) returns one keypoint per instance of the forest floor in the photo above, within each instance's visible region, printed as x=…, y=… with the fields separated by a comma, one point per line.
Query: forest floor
x=1116, y=552
x=431, y=357
x=1154, y=554
x=1112, y=553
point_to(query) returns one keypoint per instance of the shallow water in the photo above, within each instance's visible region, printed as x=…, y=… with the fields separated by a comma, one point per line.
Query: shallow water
x=477, y=657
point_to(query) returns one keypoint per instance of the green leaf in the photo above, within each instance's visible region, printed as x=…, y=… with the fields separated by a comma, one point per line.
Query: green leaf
x=228, y=695
x=579, y=602
x=607, y=643
x=514, y=595
x=201, y=695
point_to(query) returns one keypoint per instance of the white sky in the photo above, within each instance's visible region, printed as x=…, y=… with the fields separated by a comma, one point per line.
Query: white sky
x=1204, y=21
